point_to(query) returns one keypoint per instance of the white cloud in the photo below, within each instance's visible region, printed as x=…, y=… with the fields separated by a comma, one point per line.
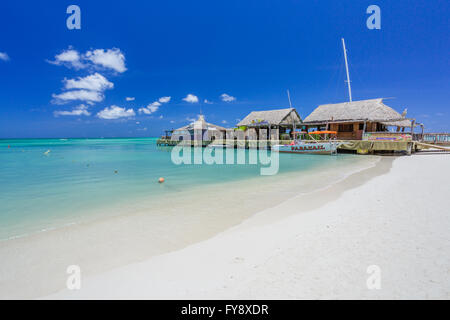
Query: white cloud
x=191, y=98
x=4, y=56
x=227, y=98
x=130, y=98
x=99, y=58
x=171, y=121
x=81, y=110
x=90, y=88
x=151, y=108
x=109, y=58
x=161, y=116
x=190, y=119
x=154, y=106
x=207, y=101
x=224, y=121
x=115, y=112
x=144, y=110
x=94, y=82
x=68, y=58
x=81, y=95
x=164, y=99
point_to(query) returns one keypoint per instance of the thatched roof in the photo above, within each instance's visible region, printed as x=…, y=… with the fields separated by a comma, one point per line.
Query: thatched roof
x=369, y=110
x=200, y=123
x=401, y=123
x=275, y=117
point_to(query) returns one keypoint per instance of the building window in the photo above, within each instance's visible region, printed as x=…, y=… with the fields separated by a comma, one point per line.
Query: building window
x=380, y=127
x=346, y=127
x=361, y=126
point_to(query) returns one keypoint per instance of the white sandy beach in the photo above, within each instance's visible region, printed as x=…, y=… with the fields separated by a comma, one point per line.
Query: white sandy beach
x=398, y=220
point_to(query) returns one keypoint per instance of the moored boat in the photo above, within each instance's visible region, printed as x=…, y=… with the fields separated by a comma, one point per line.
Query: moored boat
x=306, y=147
x=310, y=146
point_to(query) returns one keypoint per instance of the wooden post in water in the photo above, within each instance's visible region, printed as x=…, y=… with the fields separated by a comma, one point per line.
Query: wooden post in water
x=270, y=134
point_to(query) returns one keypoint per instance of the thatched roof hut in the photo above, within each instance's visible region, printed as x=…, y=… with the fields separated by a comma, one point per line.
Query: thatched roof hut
x=208, y=129
x=280, y=117
x=352, y=119
x=200, y=123
x=364, y=110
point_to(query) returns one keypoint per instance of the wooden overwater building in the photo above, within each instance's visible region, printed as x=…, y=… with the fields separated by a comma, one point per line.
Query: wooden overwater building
x=351, y=120
x=274, y=122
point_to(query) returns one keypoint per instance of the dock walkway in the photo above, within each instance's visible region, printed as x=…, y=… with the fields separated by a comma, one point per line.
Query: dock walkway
x=359, y=146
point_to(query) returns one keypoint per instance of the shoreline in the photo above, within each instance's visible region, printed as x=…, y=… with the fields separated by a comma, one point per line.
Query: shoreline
x=105, y=244
x=320, y=253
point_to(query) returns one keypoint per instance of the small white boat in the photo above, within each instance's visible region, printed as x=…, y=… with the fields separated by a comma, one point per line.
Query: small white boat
x=219, y=146
x=310, y=146
x=307, y=147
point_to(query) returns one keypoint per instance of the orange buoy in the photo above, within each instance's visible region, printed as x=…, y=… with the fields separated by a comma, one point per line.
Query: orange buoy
x=161, y=180
x=9, y=146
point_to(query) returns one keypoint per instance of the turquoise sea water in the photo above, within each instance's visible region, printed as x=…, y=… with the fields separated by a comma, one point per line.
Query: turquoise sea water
x=39, y=190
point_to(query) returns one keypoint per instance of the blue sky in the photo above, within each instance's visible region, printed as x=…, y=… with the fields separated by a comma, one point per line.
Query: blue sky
x=252, y=51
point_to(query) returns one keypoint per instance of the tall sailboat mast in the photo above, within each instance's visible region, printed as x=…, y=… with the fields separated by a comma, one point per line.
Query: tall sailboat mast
x=290, y=106
x=346, y=68
x=289, y=98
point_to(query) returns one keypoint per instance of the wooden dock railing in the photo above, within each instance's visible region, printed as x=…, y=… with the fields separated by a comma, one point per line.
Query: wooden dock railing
x=433, y=138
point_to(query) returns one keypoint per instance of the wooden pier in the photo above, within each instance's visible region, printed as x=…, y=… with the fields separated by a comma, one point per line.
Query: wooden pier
x=358, y=146
x=246, y=144
x=442, y=139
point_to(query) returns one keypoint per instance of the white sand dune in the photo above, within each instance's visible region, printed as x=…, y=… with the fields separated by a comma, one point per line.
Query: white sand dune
x=398, y=221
